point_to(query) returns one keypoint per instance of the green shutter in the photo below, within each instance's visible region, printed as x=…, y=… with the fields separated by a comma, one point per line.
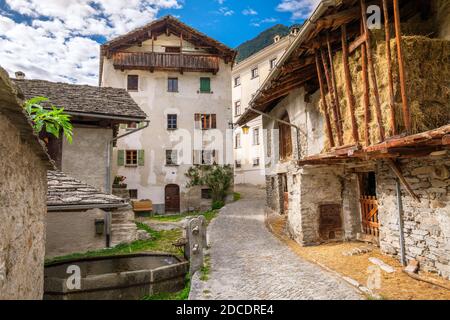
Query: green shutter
x=205, y=85
x=141, y=158
x=121, y=158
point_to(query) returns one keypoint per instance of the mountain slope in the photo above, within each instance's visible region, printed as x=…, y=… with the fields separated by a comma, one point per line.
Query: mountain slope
x=264, y=39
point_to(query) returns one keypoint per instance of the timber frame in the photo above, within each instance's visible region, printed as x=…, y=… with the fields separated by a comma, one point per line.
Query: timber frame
x=337, y=26
x=151, y=61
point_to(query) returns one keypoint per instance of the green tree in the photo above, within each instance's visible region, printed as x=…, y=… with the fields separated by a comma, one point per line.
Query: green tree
x=54, y=121
x=218, y=178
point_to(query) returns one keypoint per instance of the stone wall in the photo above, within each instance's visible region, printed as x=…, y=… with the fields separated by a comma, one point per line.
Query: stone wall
x=23, y=187
x=311, y=187
x=427, y=224
x=74, y=231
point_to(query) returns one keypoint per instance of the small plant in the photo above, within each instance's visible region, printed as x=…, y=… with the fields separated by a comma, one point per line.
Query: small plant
x=217, y=178
x=118, y=181
x=217, y=205
x=54, y=121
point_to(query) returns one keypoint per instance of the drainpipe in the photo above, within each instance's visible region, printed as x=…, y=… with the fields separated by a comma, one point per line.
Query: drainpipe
x=400, y=221
x=110, y=147
x=298, y=130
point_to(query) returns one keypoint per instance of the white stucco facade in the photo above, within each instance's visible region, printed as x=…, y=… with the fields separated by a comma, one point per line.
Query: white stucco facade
x=250, y=159
x=152, y=175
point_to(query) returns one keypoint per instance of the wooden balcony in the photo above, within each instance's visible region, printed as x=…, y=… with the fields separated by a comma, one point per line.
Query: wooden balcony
x=152, y=61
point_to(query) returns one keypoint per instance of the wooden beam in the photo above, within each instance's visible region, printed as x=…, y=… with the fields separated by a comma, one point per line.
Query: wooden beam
x=389, y=67
x=324, y=101
x=356, y=43
x=333, y=98
x=366, y=98
x=348, y=85
x=333, y=78
x=446, y=140
x=373, y=75
x=396, y=169
x=401, y=67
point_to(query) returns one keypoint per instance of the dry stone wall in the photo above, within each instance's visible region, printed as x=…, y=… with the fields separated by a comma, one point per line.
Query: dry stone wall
x=426, y=224
x=23, y=187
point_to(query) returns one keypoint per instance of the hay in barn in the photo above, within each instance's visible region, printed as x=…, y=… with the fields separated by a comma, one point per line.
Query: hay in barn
x=427, y=65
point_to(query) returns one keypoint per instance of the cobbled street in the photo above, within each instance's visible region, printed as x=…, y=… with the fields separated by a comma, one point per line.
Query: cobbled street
x=248, y=262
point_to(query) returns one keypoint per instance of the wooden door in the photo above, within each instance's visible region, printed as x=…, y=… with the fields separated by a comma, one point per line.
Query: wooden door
x=285, y=140
x=172, y=194
x=285, y=193
x=369, y=204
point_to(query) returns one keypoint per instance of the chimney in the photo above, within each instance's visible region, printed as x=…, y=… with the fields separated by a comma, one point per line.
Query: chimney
x=276, y=38
x=295, y=30
x=20, y=75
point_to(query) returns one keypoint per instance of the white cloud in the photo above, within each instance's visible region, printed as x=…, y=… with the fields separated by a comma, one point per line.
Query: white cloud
x=57, y=45
x=300, y=9
x=249, y=12
x=258, y=23
x=226, y=11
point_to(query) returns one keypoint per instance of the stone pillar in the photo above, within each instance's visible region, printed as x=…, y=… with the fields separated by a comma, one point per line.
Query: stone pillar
x=196, y=241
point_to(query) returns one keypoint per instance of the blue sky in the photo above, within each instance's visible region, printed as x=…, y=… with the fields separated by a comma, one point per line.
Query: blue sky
x=58, y=40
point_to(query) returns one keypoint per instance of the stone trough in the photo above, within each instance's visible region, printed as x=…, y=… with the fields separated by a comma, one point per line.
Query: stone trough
x=128, y=277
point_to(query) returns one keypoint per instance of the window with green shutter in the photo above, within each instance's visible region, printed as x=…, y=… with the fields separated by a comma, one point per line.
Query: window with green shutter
x=141, y=158
x=205, y=85
x=121, y=158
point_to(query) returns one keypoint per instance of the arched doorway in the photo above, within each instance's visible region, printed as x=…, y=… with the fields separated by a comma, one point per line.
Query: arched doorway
x=285, y=139
x=172, y=196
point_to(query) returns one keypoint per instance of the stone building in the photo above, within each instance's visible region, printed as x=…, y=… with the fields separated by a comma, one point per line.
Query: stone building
x=247, y=77
x=182, y=78
x=96, y=114
x=361, y=121
x=23, y=185
x=81, y=218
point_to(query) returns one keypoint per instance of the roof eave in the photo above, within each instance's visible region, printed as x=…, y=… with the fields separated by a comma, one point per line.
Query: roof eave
x=309, y=23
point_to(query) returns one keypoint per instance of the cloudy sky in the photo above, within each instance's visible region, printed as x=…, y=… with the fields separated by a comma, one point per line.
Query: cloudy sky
x=59, y=40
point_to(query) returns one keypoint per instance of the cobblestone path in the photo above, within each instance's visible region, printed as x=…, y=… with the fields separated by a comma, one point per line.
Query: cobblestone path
x=249, y=263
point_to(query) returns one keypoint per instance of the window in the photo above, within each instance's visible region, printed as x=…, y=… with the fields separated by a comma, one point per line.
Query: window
x=133, y=83
x=238, y=164
x=173, y=49
x=171, y=158
x=172, y=85
x=237, y=141
x=209, y=157
x=256, y=136
x=237, y=81
x=285, y=140
x=255, y=73
x=273, y=63
x=205, y=121
x=205, y=157
x=133, y=194
x=206, y=194
x=172, y=122
x=256, y=162
x=131, y=158
x=205, y=85
x=237, y=108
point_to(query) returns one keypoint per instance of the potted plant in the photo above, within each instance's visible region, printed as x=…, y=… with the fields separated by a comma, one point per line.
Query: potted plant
x=118, y=182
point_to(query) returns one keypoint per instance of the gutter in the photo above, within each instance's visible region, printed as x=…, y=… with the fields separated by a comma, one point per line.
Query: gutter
x=108, y=187
x=298, y=129
x=308, y=25
x=101, y=116
x=76, y=207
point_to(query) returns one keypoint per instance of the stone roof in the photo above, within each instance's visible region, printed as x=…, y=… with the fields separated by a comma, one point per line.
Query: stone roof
x=65, y=191
x=11, y=105
x=83, y=98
